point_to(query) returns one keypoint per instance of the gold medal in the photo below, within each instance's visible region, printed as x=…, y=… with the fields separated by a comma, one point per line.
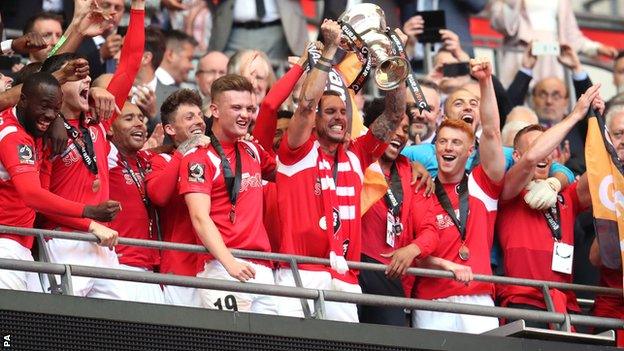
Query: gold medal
x=464, y=252
x=96, y=186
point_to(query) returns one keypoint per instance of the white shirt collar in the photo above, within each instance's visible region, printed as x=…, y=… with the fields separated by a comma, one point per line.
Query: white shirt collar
x=152, y=83
x=164, y=77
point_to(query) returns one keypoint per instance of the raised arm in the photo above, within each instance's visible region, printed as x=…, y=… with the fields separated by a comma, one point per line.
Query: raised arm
x=491, y=145
x=383, y=127
x=522, y=171
x=302, y=122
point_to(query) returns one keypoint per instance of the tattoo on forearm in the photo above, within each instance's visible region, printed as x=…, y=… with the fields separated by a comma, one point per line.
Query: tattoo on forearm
x=386, y=124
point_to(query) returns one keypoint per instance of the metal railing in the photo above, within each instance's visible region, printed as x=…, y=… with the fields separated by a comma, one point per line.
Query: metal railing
x=318, y=296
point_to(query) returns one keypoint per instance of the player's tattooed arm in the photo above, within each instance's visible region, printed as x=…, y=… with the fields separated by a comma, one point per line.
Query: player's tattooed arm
x=386, y=124
x=300, y=126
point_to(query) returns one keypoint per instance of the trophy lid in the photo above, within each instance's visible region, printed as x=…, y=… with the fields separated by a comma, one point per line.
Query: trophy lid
x=364, y=16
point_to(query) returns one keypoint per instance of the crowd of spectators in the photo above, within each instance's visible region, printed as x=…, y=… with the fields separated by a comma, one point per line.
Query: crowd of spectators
x=165, y=120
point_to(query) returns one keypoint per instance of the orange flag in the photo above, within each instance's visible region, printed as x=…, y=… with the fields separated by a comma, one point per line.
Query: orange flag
x=606, y=184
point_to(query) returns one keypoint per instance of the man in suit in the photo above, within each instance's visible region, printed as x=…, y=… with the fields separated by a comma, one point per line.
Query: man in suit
x=101, y=50
x=276, y=27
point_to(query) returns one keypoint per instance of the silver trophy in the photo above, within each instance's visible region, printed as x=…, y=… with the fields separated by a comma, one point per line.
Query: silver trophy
x=369, y=22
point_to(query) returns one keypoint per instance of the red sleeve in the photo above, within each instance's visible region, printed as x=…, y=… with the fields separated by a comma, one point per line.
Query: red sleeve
x=163, y=178
x=197, y=173
x=266, y=123
x=79, y=224
x=368, y=148
x=18, y=153
x=267, y=163
x=29, y=188
x=129, y=61
x=290, y=156
x=491, y=188
x=426, y=233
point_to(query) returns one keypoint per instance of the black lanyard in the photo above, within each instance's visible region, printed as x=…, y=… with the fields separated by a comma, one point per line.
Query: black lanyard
x=462, y=190
x=142, y=188
x=84, y=145
x=356, y=42
x=232, y=181
x=553, y=221
x=394, y=195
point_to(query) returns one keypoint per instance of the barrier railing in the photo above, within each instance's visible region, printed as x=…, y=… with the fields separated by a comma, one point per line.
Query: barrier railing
x=319, y=296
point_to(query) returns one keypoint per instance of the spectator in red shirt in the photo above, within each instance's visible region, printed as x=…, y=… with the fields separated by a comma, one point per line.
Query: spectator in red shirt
x=447, y=230
x=222, y=186
x=545, y=251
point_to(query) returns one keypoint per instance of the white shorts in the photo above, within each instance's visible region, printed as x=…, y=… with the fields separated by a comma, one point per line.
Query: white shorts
x=17, y=280
x=237, y=301
x=181, y=296
x=141, y=292
x=464, y=323
x=88, y=254
x=337, y=311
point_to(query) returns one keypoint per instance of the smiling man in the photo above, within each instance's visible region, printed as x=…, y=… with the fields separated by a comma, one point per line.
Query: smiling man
x=449, y=230
x=21, y=158
x=128, y=167
x=319, y=183
x=545, y=252
x=222, y=187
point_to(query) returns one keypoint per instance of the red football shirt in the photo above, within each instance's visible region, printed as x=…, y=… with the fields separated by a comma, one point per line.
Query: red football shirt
x=527, y=244
x=19, y=153
x=201, y=172
x=482, y=204
x=133, y=220
x=374, y=221
x=70, y=178
x=301, y=204
x=175, y=222
x=611, y=306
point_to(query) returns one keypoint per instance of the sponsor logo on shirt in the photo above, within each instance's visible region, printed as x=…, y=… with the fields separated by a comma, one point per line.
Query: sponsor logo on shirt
x=25, y=154
x=345, y=247
x=250, y=181
x=196, y=172
x=249, y=151
x=444, y=221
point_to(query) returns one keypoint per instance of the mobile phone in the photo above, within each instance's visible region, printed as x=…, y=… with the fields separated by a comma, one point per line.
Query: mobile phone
x=544, y=48
x=457, y=69
x=122, y=30
x=434, y=21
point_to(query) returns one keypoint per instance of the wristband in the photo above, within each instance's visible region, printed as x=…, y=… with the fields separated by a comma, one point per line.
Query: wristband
x=324, y=59
x=58, y=45
x=322, y=67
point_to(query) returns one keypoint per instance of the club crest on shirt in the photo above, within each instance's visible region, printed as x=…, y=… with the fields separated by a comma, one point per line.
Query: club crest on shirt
x=25, y=154
x=337, y=222
x=317, y=187
x=196, y=172
x=444, y=221
x=249, y=151
x=345, y=247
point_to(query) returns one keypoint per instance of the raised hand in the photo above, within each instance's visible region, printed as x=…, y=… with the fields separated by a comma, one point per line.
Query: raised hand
x=413, y=27
x=145, y=99
x=585, y=101
x=73, y=70
x=331, y=33
x=173, y=5
x=156, y=139
x=111, y=46
x=95, y=22
x=569, y=58
x=451, y=43
x=103, y=212
x=480, y=68
x=28, y=43
x=528, y=59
